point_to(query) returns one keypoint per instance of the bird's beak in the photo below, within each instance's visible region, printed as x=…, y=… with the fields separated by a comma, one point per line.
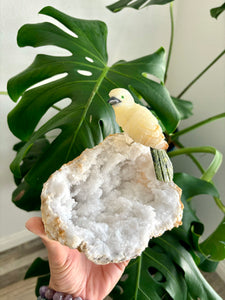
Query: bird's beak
x=114, y=100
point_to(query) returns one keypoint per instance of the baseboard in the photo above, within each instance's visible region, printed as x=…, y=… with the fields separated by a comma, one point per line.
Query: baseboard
x=16, y=239
x=221, y=270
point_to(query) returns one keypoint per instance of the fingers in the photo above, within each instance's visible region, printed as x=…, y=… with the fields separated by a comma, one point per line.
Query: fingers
x=122, y=265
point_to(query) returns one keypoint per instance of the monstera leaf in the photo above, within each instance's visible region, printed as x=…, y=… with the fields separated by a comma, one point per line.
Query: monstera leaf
x=37, y=149
x=117, y=6
x=213, y=248
x=216, y=11
x=86, y=80
x=165, y=270
x=184, y=107
x=39, y=268
x=214, y=245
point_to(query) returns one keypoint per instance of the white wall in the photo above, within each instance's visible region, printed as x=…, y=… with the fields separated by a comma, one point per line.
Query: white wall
x=198, y=40
x=132, y=34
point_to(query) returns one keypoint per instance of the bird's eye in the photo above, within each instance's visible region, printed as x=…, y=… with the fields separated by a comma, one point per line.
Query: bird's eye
x=122, y=97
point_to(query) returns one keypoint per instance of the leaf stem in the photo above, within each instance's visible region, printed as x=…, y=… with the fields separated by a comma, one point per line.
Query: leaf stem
x=219, y=204
x=195, y=161
x=213, y=167
x=3, y=93
x=171, y=41
x=190, y=128
x=198, y=76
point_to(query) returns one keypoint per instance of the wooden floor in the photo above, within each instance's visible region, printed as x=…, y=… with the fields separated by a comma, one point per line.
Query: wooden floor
x=14, y=263
x=13, y=266
x=217, y=283
x=19, y=290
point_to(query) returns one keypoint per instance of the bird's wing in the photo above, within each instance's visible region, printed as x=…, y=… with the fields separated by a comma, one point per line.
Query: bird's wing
x=145, y=118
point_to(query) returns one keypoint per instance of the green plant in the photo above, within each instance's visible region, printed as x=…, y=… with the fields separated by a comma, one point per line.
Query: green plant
x=170, y=267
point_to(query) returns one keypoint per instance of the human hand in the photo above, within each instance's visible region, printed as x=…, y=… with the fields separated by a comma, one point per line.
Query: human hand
x=71, y=271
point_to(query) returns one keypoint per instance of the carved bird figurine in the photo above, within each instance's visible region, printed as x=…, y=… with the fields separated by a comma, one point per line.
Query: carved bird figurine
x=136, y=120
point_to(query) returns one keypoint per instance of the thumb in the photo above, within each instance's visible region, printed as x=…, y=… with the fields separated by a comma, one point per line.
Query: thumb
x=36, y=226
x=55, y=249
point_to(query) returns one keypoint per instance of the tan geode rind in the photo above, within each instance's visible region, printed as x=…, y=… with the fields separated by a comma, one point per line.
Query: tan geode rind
x=136, y=164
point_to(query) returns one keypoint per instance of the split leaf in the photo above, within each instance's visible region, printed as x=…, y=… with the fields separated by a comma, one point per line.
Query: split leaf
x=85, y=79
x=121, y=4
x=215, y=12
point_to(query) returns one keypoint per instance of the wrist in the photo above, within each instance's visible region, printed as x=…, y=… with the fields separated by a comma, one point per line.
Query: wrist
x=49, y=294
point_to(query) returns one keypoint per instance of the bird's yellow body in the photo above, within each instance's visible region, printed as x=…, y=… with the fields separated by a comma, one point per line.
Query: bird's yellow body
x=136, y=120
